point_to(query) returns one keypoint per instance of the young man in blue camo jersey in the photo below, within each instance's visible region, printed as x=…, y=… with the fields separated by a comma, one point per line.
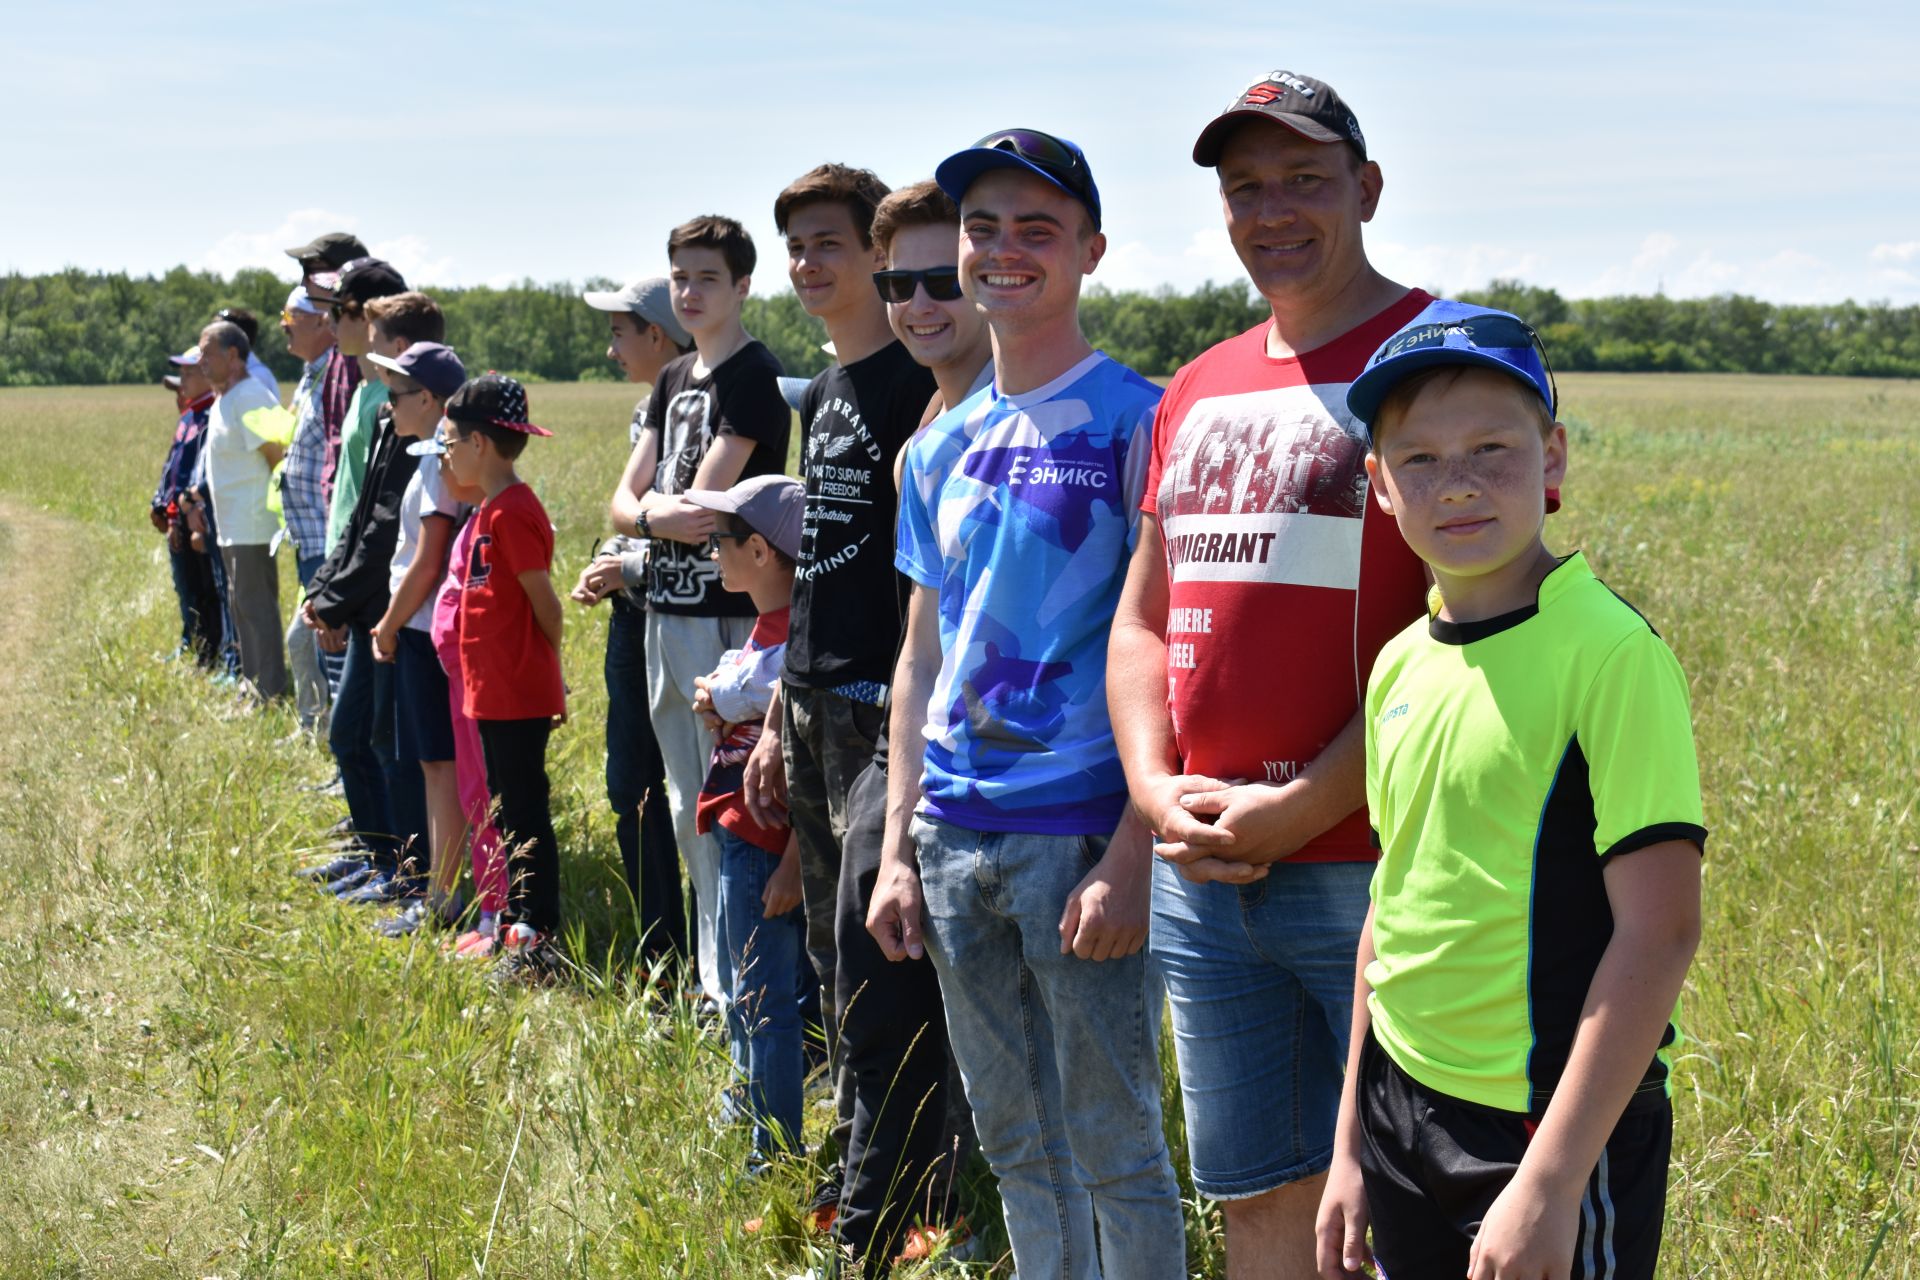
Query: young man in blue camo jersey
x=1012, y=857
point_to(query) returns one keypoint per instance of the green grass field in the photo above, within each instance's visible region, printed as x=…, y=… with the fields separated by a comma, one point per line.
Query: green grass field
x=208, y=1070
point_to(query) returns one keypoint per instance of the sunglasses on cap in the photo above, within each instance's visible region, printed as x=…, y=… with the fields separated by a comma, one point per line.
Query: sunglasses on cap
x=1065, y=163
x=1486, y=331
x=897, y=284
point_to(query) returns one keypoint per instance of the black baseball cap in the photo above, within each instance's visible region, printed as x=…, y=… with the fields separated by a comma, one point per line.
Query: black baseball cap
x=1055, y=159
x=365, y=279
x=493, y=400
x=336, y=249
x=1307, y=106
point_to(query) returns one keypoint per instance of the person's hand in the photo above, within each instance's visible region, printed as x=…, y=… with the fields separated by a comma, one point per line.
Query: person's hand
x=600, y=579
x=763, y=788
x=1262, y=819
x=703, y=707
x=177, y=538
x=386, y=640
x=331, y=639
x=894, y=914
x=1528, y=1234
x=310, y=618
x=157, y=517
x=1106, y=914
x=566, y=696
x=195, y=513
x=1200, y=849
x=1340, y=1229
x=681, y=521
x=198, y=541
x=782, y=893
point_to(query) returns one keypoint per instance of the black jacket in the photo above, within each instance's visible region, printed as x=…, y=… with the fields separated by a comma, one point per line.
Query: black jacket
x=351, y=588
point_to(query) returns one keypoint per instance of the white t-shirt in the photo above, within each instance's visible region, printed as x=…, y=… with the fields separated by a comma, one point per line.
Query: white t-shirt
x=236, y=469
x=258, y=371
x=426, y=495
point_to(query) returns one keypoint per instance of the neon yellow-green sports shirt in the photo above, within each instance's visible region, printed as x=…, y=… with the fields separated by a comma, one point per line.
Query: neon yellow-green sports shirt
x=1507, y=761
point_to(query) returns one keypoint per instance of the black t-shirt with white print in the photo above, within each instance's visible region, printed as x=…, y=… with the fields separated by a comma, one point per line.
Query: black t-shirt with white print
x=740, y=397
x=846, y=595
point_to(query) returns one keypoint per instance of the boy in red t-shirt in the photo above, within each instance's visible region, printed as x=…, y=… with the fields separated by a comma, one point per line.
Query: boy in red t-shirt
x=510, y=657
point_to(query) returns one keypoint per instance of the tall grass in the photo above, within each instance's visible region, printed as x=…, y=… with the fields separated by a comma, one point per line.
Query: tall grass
x=206, y=1069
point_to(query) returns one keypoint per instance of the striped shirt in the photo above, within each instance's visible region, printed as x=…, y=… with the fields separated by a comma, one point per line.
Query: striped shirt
x=303, y=497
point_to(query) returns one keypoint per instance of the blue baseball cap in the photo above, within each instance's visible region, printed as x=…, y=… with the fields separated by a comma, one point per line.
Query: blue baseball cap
x=1491, y=339
x=1041, y=154
x=430, y=364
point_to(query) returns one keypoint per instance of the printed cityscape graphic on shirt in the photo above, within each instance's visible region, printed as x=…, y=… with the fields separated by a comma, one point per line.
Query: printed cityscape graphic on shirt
x=680, y=573
x=1266, y=486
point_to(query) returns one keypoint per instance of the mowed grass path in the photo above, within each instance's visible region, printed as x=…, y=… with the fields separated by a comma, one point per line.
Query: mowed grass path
x=207, y=1071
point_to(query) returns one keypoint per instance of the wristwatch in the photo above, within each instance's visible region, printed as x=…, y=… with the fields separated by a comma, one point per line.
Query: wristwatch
x=642, y=525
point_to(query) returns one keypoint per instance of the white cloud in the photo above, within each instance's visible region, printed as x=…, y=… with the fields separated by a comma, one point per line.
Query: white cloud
x=1453, y=268
x=411, y=254
x=1906, y=251
x=1656, y=250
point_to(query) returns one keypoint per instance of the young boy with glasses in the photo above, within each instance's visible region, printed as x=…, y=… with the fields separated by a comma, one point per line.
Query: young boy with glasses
x=761, y=929
x=1534, y=792
x=1011, y=854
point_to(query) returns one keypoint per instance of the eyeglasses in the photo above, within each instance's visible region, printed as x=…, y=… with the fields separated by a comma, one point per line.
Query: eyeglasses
x=713, y=540
x=395, y=393
x=897, y=284
x=1486, y=331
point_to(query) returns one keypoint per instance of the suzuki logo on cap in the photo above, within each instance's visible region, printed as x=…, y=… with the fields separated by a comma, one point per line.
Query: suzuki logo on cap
x=1272, y=86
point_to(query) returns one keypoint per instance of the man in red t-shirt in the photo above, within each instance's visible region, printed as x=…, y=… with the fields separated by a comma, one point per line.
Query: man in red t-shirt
x=1263, y=584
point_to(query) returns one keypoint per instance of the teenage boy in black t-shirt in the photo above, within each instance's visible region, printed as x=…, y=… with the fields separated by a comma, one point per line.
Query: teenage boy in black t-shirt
x=715, y=418
x=831, y=704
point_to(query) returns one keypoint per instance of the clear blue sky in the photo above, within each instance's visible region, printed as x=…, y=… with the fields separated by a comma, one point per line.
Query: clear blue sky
x=1770, y=149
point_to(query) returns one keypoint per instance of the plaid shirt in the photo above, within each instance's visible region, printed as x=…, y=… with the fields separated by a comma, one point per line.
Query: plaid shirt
x=303, y=497
x=336, y=393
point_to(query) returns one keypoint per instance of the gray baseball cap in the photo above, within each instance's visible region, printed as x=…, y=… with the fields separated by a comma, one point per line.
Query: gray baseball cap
x=771, y=506
x=648, y=299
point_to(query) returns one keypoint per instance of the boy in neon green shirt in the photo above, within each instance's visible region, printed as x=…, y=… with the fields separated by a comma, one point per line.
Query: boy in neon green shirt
x=1533, y=788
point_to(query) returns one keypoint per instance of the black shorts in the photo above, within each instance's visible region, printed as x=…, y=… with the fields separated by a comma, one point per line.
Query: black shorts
x=1434, y=1164
x=422, y=703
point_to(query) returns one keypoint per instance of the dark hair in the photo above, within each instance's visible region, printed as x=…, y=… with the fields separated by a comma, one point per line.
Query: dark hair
x=230, y=335
x=509, y=442
x=734, y=524
x=641, y=324
x=249, y=325
x=923, y=204
x=711, y=231
x=859, y=191
x=411, y=315
x=1401, y=396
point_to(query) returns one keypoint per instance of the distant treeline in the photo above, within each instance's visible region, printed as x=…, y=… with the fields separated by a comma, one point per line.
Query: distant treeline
x=89, y=327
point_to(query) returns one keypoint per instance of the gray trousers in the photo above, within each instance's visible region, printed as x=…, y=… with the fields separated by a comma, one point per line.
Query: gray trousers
x=828, y=740
x=253, y=598
x=679, y=649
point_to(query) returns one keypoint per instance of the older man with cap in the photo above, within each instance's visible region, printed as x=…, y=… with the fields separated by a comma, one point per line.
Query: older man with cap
x=329, y=252
x=1252, y=615
x=643, y=334
x=239, y=463
x=303, y=497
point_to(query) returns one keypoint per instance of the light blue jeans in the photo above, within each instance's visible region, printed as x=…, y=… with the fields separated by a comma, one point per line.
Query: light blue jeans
x=763, y=966
x=1059, y=1057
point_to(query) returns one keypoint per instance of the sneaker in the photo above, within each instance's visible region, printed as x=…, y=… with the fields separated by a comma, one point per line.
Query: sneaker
x=344, y=827
x=333, y=868
x=352, y=880
x=405, y=922
x=823, y=1206
x=477, y=941
x=951, y=1241
x=527, y=959
x=387, y=886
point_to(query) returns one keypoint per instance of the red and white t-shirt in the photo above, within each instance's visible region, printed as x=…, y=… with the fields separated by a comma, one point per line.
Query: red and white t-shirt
x=509, y=668
x=1285, y=578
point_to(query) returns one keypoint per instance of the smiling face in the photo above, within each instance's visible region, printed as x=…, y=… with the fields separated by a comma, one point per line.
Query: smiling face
x=706, y=297
x=830, y=269
x=936, y=334
x=1463, y=468
x=1294, y=210
x=1024, y=245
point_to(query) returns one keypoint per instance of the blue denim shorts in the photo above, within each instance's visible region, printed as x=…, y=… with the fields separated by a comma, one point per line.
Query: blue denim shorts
x=1260, y=983
x=422, y=707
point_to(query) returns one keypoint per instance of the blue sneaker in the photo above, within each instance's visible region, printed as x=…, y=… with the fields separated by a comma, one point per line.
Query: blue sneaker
x=333, y=868
x=352, y=880
x=387, y=886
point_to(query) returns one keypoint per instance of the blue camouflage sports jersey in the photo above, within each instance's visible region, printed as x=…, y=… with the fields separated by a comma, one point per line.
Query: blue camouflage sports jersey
x=1021, y=512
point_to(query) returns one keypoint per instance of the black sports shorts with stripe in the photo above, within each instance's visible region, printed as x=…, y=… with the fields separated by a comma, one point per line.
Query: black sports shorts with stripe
x=1434, y=1164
